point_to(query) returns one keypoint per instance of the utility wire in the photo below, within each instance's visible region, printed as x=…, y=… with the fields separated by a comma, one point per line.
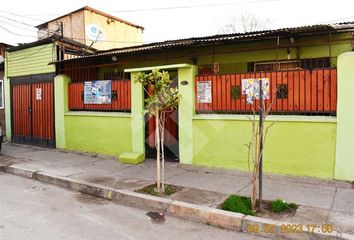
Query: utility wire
x=17, y=34
x=51, y=32
x=16, y=26
x=338, y=19
x=13, y=20
x=22, y=16
x=55, y=32
x=177, y=7
x=194, y=6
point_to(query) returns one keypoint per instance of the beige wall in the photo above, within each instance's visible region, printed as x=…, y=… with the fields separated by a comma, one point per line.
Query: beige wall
x=73, y=27
x=116, y=34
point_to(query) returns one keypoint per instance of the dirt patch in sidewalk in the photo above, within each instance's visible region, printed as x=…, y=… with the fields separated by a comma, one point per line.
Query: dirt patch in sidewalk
x=151, y=190
x=201, y=197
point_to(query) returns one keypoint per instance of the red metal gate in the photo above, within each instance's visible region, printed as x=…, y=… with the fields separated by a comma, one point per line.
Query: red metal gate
x=171, y=135
x=171, y=145
x=33, y=111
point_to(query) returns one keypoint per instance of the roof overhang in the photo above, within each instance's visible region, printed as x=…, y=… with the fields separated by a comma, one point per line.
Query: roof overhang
x=162, y=67
x=51, y=39
x=225, y=39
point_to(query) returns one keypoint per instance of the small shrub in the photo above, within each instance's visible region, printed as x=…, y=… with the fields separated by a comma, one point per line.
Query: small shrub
x=240, y=204
x=169, y=190
x=279, y=205
x=292, y=205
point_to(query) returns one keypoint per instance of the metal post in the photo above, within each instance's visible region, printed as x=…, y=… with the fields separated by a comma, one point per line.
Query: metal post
x=61, y=29
x=277, y=54
x=260, y=170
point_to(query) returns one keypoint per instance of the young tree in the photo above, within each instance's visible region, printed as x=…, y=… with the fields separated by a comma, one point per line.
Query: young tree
x=255, y=146
x=162, y=98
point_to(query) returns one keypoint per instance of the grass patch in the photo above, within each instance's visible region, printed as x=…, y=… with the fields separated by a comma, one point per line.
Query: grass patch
x=151, y=189
x=279, y=205
x=240, y=204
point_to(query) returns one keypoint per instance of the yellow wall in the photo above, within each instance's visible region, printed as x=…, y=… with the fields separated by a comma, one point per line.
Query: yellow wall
x=116, y=34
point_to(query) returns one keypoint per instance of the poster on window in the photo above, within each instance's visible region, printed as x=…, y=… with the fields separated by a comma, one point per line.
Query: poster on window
x=98, y=92
x=204, y=92
x=250, y=87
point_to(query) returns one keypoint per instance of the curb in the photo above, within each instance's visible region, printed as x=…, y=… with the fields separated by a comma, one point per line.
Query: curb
x=188, y=211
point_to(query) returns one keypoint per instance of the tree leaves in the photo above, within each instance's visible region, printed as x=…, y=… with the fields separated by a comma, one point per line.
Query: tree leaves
x=162, y=96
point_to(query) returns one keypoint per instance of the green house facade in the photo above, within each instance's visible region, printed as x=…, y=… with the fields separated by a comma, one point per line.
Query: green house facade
x=301, y=142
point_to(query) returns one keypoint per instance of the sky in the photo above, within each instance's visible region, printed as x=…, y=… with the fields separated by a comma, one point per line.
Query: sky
x=168, y=20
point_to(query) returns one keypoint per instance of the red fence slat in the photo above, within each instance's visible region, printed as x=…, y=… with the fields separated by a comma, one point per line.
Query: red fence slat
x=121, y=103
x=308, y=92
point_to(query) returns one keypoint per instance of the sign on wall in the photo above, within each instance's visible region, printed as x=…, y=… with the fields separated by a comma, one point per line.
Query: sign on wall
x=38, y=93
x=250, y=87
x=98, y=92
x=204, y=92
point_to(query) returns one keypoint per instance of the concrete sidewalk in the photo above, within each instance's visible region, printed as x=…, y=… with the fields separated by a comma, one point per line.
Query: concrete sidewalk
x=321, y=201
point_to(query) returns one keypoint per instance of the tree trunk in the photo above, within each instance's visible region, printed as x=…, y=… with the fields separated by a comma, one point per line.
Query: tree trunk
x=163, y=118
x=255, y=160
x=158, y=168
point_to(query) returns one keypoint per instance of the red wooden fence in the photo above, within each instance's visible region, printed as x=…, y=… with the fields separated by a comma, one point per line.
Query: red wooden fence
x=308, y=92
x=120, y=103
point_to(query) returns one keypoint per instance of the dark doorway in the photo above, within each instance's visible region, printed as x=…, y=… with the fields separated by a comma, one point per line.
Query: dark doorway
x=171, y=130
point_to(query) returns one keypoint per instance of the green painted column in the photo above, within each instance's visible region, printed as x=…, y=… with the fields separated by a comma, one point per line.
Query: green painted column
x=186, y=72
x=186, y=113
x=61, y=84
x=137, y=115
x=344, y=169
x=7, y=106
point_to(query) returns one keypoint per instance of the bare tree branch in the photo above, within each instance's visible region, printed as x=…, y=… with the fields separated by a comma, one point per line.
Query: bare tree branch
x=246, y=22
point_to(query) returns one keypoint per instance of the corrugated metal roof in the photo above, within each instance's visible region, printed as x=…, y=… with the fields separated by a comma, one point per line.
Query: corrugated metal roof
x=50, y=39
x=5, y=45
x=223, y=38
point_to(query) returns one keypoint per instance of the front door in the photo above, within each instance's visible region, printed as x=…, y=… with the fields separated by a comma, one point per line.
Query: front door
x=32, y=110
x=171, y=147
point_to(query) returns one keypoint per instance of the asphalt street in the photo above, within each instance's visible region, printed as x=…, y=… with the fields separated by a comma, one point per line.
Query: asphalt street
x=33, y=210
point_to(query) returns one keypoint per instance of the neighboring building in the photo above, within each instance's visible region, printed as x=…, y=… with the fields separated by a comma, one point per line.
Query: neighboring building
x=94, y=28
x=30, y=73
x=29, y=83
x=3, y=47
